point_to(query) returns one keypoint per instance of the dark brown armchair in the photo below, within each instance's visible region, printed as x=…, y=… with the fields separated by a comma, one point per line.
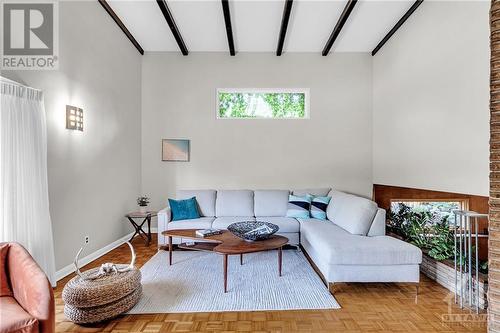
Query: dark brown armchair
x=26, y=296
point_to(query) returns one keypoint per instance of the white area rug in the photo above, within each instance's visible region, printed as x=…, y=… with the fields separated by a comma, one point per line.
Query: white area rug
x=194, y=283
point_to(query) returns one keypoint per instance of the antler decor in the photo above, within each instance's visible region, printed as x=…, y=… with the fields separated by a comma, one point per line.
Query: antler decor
x=77, y=269
x=105, y=269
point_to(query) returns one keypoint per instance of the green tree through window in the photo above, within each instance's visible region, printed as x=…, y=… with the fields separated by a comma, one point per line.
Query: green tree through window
x=279, y=105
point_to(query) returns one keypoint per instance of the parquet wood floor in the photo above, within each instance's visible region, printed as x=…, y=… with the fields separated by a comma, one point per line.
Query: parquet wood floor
x=365, y=308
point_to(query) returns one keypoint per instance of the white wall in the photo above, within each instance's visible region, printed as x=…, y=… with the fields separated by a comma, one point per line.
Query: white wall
x=332, y=148
x=94, y=176
x=430, y=100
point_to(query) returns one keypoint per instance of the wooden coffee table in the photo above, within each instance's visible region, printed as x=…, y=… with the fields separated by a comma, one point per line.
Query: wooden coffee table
x=226, y=244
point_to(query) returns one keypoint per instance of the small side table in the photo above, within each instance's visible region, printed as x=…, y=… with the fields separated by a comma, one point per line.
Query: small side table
x=146, y=216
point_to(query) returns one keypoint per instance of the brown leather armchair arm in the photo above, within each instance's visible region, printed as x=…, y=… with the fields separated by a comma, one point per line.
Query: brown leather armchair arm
x=31, y=287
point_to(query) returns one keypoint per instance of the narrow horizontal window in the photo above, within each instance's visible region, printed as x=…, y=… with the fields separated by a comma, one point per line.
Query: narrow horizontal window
x=262, y=103
x=438, y=210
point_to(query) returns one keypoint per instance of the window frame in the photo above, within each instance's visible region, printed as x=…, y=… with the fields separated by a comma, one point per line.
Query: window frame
x=464, y=202
x=305, y=91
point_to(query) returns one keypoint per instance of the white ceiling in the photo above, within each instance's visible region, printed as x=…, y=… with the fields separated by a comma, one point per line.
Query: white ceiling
x=256, y=24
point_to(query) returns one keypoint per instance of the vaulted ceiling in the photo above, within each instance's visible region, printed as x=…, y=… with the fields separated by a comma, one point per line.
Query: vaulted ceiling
x=256, y=24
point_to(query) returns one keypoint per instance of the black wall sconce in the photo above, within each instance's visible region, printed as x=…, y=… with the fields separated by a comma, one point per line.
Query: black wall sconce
x=74, y=118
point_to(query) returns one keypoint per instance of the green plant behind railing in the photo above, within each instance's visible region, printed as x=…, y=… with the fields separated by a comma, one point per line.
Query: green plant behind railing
x=429, y=232
x=442, y=243
x=423, y=229
x=399, y=218
x=418, y=229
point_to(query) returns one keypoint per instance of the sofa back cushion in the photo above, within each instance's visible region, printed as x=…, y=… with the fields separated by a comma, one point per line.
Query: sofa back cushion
x=270, y=202
x=204, y=198
x=350, y=212
x=317, y=192
x=234, y=203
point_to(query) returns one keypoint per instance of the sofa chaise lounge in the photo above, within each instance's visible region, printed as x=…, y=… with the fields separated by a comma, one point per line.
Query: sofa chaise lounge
x=350, y=246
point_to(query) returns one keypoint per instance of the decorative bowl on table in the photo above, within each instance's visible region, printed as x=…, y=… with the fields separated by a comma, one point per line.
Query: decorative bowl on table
x=253, y=230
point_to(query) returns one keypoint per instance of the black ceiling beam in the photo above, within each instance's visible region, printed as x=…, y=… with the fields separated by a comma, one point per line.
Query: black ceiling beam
x=122, y=26
x=229, y=28
x=397, y=26
x=173, y=27
x=340, y=24
x=284, y=25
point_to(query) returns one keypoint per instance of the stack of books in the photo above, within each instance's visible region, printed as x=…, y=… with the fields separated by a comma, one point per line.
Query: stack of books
x=208, y=232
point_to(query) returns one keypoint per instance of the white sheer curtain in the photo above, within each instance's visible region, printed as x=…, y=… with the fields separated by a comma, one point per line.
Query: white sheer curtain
x=24, y=197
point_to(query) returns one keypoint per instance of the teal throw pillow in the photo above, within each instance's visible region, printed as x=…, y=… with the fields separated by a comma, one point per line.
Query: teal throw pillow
x=184, y=209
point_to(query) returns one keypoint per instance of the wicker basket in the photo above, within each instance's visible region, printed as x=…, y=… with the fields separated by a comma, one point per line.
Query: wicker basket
x=90, y=301
x=103, y=312
x=104, y=290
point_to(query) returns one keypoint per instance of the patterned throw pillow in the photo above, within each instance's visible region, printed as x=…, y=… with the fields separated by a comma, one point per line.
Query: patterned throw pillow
x=184, y=209
x=298, y=206
x=318, y=207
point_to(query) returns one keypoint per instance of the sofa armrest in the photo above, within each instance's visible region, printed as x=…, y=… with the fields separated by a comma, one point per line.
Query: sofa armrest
x=31, y=288
x=164, y=218
x=378, y=225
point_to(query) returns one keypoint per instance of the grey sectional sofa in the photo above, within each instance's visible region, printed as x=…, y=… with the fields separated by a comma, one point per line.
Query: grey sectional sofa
x=351, y=246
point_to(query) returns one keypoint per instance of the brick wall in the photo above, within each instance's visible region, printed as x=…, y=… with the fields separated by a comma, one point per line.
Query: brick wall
x=494, y=226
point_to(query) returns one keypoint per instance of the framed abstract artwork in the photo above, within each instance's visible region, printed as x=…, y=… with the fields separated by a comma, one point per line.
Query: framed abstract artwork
x=175, y=150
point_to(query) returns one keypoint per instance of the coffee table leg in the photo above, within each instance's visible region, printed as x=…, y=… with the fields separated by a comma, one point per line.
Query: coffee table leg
x=170, y=250
x=225, y=273
x=280, y=259
x=241, y=259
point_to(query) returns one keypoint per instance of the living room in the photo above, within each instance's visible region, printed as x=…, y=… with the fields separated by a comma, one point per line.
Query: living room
x=355, y=134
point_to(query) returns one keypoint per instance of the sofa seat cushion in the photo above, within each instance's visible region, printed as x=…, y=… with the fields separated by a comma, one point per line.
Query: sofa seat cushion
x=234, y=203
x=270, y=202
x=286, y=224
x=350, y=212
x=204, y=198
x=13, y=318
x=336, y=246
x=223, y=222
x=200, y=223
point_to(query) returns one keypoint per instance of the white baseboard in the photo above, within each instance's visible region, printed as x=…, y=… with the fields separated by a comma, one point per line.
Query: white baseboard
x=67, y=270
